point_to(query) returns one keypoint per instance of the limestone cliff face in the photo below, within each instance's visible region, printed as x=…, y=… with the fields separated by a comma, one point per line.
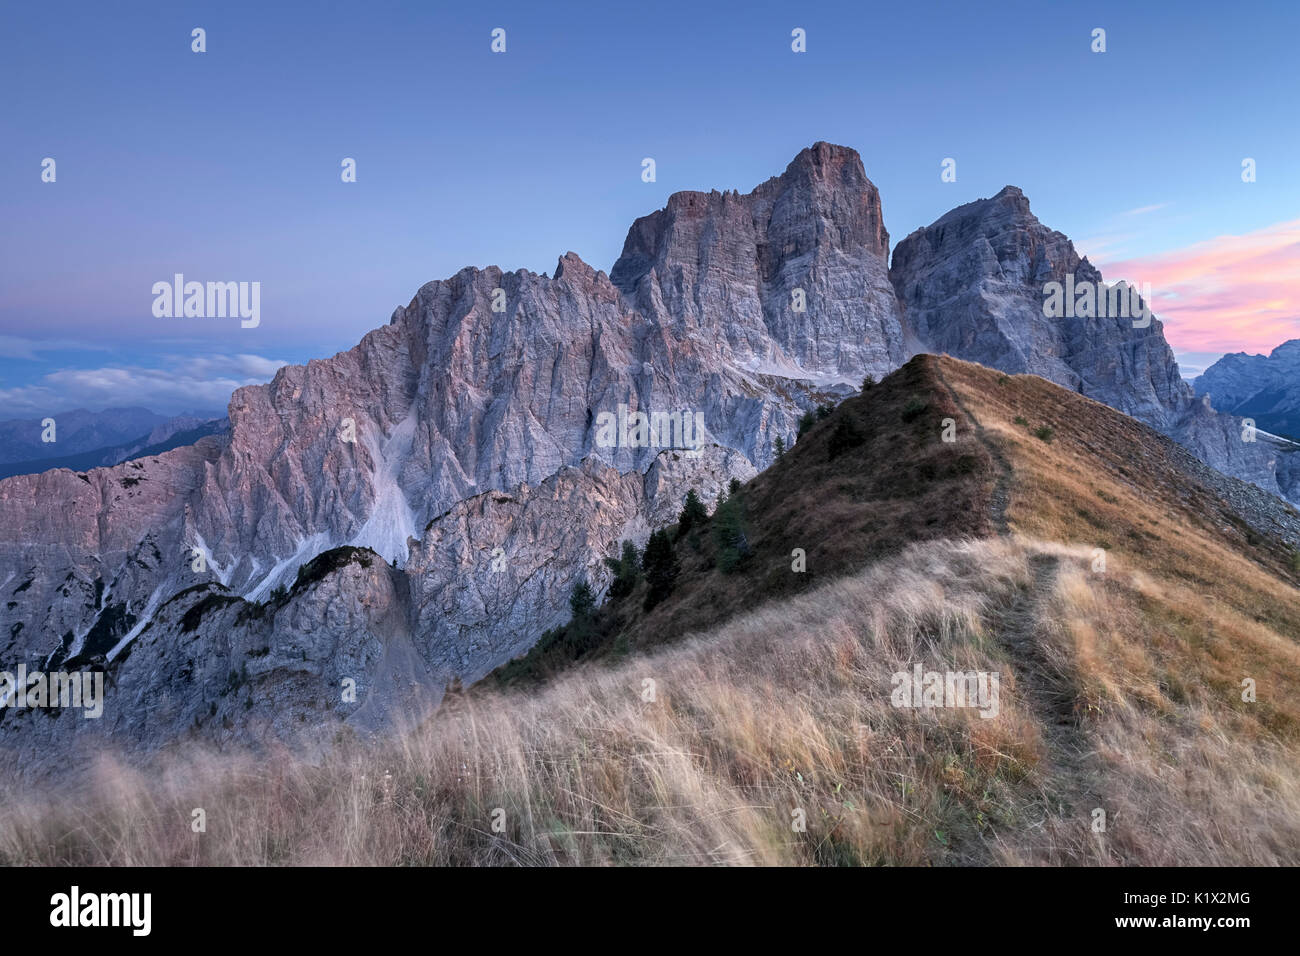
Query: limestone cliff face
x=86, y=558
x=727, y=266
x=468, y=443
x=972, y=285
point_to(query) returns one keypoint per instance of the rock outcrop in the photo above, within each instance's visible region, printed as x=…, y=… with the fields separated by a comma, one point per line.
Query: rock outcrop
x=728, y=266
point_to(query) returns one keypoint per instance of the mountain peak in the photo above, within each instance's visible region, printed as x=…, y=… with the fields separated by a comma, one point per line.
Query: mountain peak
x=827, y=161
x=822, y=204
x=1289, y=350
x=1009, y=202
x=571, y=263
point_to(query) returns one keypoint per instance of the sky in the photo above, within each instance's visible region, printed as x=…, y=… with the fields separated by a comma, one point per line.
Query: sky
x=225, y=165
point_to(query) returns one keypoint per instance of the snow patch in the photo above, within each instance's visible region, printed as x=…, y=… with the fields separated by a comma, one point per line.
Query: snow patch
x=792, y=370
x=140, y=625
x=385, y=531
x=223, y=575
x=1277, y=438
x=280, y=573
x=79, y=640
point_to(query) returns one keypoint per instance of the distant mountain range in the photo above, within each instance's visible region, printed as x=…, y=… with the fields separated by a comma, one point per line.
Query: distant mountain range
x=1263, y=388
x=76, y=431
x=85, y=440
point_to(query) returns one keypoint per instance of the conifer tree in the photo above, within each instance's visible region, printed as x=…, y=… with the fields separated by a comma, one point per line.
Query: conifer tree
x=661, y=568
x=693, y=514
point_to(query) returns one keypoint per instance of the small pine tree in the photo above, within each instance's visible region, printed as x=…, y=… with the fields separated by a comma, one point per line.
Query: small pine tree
x=659, y=562
x=807, y=421
x=868, y=382
x=582, y=602
x=730, y=535
x=734, y=487
x=778, y=448
x=693, y=513
x=631, y=558
x=580, y=634
x=627, y=569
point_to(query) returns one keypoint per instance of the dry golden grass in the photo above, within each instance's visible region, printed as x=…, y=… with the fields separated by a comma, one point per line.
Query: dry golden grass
x=785, y=708
x=1121, y=691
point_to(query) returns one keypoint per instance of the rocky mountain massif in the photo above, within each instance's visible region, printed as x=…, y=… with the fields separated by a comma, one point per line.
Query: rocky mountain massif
x=467, y=446
x=1266, y=389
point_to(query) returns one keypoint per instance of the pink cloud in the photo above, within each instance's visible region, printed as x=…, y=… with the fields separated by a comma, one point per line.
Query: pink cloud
x=1227, y=294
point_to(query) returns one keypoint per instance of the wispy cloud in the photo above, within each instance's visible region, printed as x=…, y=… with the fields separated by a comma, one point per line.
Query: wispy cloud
x=1143, y=210
x=1118, y=232
x=17, y=347
x=1097, y=248
x=1226, y=294
x=183, y=383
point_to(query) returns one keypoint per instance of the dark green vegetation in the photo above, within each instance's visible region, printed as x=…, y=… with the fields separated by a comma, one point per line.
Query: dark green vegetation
x=329, y=561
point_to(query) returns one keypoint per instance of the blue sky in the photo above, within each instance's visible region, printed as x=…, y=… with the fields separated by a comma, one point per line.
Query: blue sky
x=225, y=165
